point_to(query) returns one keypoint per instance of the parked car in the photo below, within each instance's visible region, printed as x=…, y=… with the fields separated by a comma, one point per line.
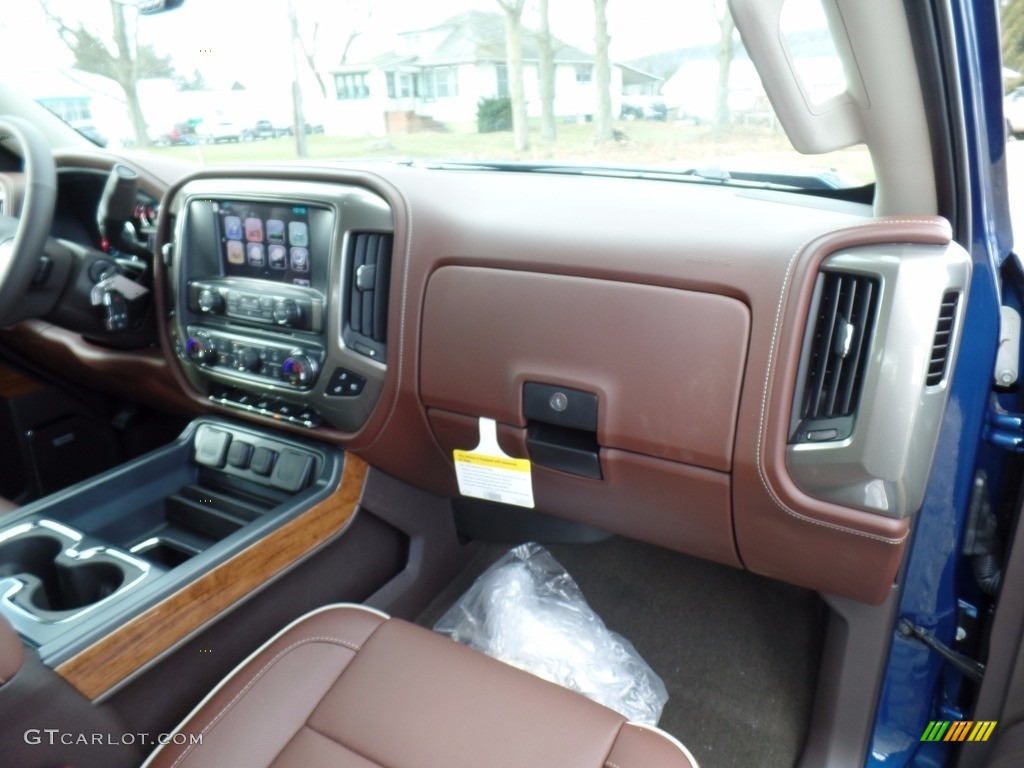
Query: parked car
x=643, y=109
x=180, y=133
x=264, y=129
x=217, y=131
x=754, y=386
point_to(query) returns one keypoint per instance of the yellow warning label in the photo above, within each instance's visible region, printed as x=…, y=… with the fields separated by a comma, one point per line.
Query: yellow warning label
x=496, y=462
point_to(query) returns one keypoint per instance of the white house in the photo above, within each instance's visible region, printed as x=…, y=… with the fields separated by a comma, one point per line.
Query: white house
x=435, y=77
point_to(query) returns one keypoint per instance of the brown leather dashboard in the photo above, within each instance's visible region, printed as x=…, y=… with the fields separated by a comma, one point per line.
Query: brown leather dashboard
x=681, y=306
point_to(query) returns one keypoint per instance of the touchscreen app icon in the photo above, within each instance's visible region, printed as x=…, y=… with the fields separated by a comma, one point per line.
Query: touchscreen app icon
x=278, y=256
x=300, y=259
x=255, y=251
x=298, y=234
x=254, y=230
x=236, y=255
x=275, y=231
x=233, y=227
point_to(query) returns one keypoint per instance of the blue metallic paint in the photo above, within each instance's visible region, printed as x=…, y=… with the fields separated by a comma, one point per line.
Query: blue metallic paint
x=918, y=686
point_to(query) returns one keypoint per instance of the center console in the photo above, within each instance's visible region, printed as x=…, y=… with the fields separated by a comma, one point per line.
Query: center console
x=280, y=297
x=81, y=562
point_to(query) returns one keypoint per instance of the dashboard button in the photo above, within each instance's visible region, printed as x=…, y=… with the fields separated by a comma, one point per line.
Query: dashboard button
x=239, y=454
x=286, y=312
x=211, y=446
x=263, y=461
x=287, y=410
x=210, y=301
x=345, y=383
x=248, y=359
x=299, y=370
x=309, y=417
x=292, y=471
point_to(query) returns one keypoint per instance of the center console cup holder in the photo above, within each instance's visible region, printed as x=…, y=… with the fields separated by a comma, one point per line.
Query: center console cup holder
x=47, y=574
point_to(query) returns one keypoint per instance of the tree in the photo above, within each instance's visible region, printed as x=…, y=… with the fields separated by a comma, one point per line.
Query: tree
x=123, y=59
x=1011, y=13
x=350, y=17
x=602, y=71
x=298, y=115
x=197, y=83
x=726, y=47
x=546, y=73
x=514, y=57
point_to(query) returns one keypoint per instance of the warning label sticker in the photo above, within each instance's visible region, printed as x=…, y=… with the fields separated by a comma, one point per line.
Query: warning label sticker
x=486, y=472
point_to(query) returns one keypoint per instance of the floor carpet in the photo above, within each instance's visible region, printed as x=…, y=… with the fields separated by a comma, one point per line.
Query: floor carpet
x=738, y=653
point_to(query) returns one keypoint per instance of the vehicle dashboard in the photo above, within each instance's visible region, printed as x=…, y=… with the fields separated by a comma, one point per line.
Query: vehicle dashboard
x=682, y=323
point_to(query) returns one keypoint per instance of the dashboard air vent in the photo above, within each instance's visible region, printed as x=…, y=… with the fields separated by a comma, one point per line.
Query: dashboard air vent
x=835, y=359
x=368, y=280
x=943, y=335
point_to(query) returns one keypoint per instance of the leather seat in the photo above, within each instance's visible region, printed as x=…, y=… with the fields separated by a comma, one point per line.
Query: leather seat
x=348, y=687
x=12, y=651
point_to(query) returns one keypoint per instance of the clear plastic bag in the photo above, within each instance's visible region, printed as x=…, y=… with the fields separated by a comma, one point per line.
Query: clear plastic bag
x=527, y=611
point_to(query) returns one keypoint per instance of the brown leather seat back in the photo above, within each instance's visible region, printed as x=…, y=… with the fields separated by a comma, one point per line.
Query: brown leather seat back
x=346, y=686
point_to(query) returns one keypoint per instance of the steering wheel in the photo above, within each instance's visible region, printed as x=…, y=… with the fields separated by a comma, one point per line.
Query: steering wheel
x=22, y=238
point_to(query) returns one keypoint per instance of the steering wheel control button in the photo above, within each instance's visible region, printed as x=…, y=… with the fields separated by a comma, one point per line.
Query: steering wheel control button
x=263, y=461
x=292, y=471
x=42, y=273
x=345, y=383
x=239, y=454
x=211, y=447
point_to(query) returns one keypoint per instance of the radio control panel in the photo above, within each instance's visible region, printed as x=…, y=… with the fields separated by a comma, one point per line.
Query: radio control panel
x=265, y=278
x=257, y=360
x=293, y=310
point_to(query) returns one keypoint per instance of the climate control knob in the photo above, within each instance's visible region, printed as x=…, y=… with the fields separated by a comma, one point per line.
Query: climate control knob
x=248, y=359
x=299, y=370
x=210, y=302
x=286, y=312
x=201, y=349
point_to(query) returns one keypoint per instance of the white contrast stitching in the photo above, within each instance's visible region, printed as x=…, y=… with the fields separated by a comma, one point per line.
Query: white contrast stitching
x=768, y=374
x=255, y=679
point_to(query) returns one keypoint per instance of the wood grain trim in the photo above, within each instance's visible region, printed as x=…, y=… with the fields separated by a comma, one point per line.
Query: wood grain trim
x=13, y=384
x=140, y=640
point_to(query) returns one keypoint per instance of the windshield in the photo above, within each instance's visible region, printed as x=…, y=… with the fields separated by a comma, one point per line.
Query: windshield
x=647, y=84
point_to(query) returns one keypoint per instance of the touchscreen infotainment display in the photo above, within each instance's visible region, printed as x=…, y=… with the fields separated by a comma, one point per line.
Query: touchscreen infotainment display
x=269, y=241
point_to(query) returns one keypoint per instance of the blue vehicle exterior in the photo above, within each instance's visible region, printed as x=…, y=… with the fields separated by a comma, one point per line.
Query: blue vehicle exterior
x=938, y=589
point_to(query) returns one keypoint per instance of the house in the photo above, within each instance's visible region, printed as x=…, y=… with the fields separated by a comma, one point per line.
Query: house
x=434, y=78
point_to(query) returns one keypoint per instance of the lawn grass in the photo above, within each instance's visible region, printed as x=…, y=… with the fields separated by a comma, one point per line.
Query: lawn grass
x=639, y=143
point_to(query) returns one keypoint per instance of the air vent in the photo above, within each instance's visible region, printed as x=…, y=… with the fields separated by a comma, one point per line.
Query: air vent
x=943, y=336
x=836, y=357
x=368, y=280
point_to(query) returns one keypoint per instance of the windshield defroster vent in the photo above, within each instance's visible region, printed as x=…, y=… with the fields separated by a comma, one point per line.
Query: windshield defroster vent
x=835, y=357
x=943, y=335
x=367, y=282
